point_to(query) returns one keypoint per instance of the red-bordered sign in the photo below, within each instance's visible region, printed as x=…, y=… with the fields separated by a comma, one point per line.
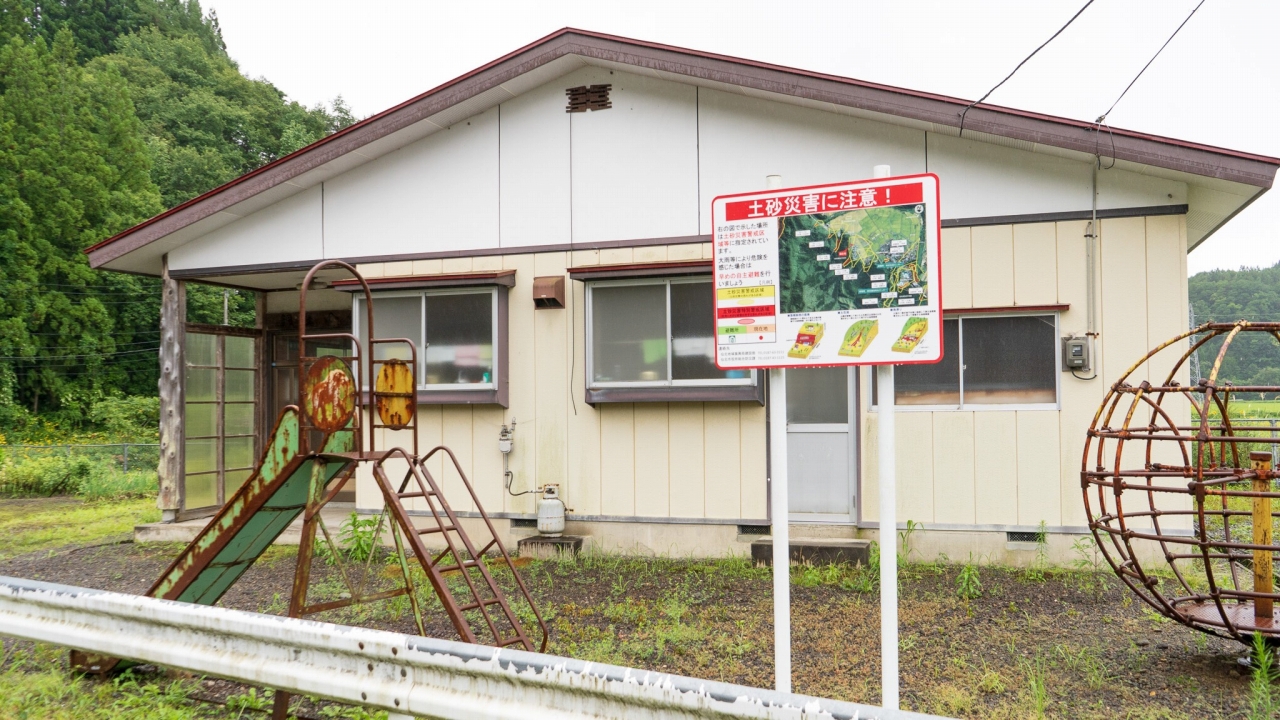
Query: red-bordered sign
x=843, y=274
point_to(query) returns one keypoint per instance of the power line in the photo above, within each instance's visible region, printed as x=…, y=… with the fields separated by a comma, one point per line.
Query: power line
x=1103, y=117
x=1019, y=67
x=41, y=358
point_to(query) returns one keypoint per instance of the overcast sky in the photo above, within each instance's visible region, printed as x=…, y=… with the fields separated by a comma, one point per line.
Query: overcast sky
x=1218, y=82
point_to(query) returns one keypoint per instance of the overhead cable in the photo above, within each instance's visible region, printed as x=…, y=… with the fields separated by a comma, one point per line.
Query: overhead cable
x=1019, y=67
x=1103, y=117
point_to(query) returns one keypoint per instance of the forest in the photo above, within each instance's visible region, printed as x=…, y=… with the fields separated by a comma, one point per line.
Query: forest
x=1250, y=293
x=110, y=112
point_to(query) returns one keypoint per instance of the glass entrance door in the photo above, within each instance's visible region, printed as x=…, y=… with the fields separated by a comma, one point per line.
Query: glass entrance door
x=821, y=444
x=221, y=418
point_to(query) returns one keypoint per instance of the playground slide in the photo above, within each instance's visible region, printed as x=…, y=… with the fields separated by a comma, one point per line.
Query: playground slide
x=268, y=502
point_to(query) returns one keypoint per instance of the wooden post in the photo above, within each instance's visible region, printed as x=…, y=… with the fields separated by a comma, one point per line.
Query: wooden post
x=173, y=323
x=1262, y=577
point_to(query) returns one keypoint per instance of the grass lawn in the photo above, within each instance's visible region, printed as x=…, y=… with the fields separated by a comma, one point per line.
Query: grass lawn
x=46, y=524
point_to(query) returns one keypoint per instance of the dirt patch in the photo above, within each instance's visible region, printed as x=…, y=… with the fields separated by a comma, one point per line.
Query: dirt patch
x=1073, y=644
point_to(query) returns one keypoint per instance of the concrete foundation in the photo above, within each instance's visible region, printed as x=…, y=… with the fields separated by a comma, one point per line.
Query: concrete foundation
x=696, y=540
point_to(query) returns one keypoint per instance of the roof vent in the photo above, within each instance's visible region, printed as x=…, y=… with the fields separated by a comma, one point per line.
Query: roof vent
x=588, y=97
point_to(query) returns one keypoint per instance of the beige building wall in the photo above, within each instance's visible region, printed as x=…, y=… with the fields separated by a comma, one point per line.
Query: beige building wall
x=978, y=469
x=995, y=469
x=656, y=461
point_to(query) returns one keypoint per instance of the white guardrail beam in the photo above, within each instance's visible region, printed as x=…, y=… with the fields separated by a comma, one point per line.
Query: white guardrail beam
x=402, y=674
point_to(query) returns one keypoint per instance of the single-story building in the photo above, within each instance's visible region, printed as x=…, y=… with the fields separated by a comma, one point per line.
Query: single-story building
x=581, y=169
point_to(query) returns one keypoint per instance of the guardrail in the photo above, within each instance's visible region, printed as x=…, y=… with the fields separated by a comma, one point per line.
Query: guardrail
x=403, y=674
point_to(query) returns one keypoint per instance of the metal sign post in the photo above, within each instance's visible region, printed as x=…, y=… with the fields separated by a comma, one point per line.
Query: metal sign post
x=828, y=276
x=781, y=531
x=886, y=459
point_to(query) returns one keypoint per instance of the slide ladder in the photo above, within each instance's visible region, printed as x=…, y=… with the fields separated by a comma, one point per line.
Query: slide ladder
x=483, y=614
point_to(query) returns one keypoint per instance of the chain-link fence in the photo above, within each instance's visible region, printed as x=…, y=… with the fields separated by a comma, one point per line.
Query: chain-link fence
x=125, y=456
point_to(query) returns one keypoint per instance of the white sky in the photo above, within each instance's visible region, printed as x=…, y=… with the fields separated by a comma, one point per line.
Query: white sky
x=1216, y=83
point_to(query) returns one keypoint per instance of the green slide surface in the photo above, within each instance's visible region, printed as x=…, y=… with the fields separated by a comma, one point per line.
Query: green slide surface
x=268, y=502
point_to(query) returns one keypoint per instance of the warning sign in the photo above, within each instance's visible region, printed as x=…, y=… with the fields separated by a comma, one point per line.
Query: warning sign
x=829, y=275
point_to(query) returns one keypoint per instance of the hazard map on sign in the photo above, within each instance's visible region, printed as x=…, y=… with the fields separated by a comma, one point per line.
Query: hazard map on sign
x=841, y=274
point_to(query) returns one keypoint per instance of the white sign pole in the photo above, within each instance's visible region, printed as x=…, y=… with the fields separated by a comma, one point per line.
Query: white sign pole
x=886, y=459
x=781, y=516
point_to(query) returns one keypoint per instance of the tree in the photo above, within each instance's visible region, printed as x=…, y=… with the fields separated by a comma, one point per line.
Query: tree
x=206, y=123
x=73, y=168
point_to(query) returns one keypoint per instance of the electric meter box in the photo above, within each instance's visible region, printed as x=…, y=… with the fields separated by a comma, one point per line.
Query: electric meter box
x=1075, y=353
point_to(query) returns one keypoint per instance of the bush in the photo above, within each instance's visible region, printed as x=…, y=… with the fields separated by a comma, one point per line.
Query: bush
x=92, y=479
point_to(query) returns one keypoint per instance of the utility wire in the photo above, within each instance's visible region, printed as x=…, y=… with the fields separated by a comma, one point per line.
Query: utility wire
x=1103, y=117
x=1019, y=67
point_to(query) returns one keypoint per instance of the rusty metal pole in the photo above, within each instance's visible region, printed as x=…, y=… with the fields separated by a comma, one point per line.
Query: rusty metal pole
x=1262, y=577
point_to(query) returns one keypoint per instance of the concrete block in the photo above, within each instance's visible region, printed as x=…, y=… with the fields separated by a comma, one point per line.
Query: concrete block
x=549, y=548
x=815, y=551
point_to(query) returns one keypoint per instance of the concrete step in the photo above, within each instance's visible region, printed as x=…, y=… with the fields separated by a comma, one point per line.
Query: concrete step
x=815, y=551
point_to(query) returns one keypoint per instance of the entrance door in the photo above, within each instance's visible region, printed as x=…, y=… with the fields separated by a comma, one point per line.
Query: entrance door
x=821, y=444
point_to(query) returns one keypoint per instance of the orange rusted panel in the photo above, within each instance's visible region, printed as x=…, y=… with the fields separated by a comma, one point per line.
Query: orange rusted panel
x=394, y=394
x=328, y=394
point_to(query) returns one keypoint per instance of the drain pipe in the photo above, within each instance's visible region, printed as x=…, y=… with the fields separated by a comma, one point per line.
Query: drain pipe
x=1091, y=261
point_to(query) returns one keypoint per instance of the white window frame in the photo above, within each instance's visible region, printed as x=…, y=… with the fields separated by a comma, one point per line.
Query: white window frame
x=984, y=407
x=421, y=369
x=589, y=346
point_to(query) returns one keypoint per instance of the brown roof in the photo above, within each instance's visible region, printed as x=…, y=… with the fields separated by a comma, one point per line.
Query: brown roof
x=1142, y=148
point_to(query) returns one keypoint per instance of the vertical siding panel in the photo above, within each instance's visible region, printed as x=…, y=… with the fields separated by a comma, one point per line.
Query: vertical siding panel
x=1078, y=398
x=1167, y=317
x=755, y=440
x=617, y=459
x=953, y=483
x=915, y=466
x=486, y=263
x=723, y=438
x=869, y=492
x=687, y=461
x=1035, y=264
x=584, y=421
x=995, y=470
x=457, y=265
x=1124, y=297
x=551, y=388
x=397, y=269
x=522, y=374
x=1039, y=495
x=458, y=438
x=616, y=256
x=430, y=267
x=486, y=473
x=992, y=266
x=652, y=458
x=684, y=252
x=430, y=434
x=651, y=253
x=957, y=268
x=584, y=257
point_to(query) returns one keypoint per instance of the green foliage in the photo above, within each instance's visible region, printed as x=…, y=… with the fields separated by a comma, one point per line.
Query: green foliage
x=968, y=584
x=156, y=114
x=1250, y=293
x=205, y=122
x=72, y=170
x=1035, y=572
x=905, y=538
x=1263, y=702
x=89, y=478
